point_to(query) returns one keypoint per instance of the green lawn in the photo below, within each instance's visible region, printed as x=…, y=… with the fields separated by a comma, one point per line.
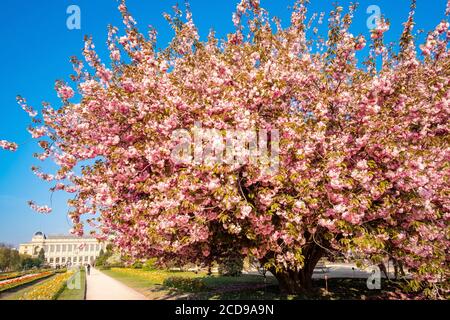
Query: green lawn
x=150, y=283
x=75, y=294
x=245, y=287
x=138, y=278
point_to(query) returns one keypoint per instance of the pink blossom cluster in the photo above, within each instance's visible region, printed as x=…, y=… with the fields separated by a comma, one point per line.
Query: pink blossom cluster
x=39, y=209
x=6, y=145
x=65, y=92
x=379, y=30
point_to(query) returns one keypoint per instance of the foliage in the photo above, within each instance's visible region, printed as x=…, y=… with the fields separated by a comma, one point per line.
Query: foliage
x=231, y=265
x=363, y=149
x=185, y=284
x=150, y=265
x=101, y=260
x=137, y=265
x=10, y=259
x=41, y=256
x=31, y=263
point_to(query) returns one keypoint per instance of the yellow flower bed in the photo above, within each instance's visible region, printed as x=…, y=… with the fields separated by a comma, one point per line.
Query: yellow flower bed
x=50, y=289
x=154, y=276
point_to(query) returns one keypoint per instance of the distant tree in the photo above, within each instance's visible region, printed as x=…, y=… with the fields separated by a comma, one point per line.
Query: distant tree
x=5, y=257
x=231, y=265
x=28, y=262
x=15, y=259
x=104, y=256
x=9, y=258
x=41, y=256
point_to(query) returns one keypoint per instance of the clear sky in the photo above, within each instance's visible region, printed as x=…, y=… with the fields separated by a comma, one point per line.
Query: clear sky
x=35, y=49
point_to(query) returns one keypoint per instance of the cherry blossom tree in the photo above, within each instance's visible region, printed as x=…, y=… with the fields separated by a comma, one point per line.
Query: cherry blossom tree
x=363, y=144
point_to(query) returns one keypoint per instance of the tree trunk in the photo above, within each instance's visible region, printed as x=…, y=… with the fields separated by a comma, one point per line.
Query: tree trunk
x=294, y=282
x=299, y=281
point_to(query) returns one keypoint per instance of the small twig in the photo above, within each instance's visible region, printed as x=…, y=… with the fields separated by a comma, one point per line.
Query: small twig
x=242, y=192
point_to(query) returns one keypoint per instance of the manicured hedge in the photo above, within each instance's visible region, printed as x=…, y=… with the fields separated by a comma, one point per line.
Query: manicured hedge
x=185, y=284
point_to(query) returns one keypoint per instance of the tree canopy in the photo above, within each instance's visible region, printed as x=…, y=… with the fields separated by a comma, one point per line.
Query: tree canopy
x=360, y=145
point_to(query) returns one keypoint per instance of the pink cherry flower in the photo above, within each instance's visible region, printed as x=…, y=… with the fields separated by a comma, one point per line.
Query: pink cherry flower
x=379, y=30
x=245, y=211
x=65, y=92
x=39, y=209
x=6, y=145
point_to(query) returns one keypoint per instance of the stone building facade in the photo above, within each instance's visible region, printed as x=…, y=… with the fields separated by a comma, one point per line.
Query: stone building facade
x=63, y=250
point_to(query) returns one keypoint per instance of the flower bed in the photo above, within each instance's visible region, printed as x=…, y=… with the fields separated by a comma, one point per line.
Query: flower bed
x=19, y=281
x=11, y=275
x=17, y=274
x=49, y=290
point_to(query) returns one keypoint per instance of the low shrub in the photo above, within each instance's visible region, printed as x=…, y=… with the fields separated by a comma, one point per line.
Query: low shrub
x=104, y=267
x=231, y=265
x=137, y=265
x=116, y=265
x=150, y=265
x=64, y=270
x=185, y=284
x=108, y=266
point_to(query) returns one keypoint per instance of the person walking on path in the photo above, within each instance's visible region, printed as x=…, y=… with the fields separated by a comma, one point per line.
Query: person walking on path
x=88, y=269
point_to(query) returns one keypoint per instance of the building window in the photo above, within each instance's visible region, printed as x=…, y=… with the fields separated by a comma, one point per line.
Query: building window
x=58, y=248
x=74, y=259
x=86, y=259
x=51, y=260
x=63, y=248
x=69, y=248
x=92, y=247
x=63, y=260
x=45, y=248
x=52, y=248
x=57, y=260
x=97, y=247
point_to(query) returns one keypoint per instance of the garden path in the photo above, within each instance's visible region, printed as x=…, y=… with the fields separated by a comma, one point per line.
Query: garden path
x=103, y=287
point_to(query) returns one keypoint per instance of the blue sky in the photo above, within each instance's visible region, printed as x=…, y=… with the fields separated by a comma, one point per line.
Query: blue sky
x=35, y=51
